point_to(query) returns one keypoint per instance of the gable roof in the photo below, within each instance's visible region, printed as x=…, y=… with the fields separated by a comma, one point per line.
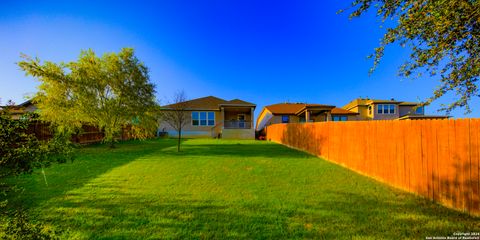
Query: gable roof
x=210, y=103
x=367, y=101
x=292, y=108
x=237, y=101
x=21, y=105
x=381, y=101
x=341, y=111
x=409, y=104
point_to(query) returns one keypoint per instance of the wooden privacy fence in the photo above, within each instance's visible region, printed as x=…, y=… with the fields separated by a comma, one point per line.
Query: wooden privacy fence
x=438, y=159
x=89, y=134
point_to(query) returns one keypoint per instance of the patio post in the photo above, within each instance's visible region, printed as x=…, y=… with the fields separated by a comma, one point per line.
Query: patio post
x=329, y=117
x=251, y=118
x=222, y=112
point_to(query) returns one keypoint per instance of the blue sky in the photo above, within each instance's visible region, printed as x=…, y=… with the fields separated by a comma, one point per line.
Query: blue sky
x=263, y=52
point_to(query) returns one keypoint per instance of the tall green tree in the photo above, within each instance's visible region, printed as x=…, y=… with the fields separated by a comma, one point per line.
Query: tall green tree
x=444, y=36
x=109, y=92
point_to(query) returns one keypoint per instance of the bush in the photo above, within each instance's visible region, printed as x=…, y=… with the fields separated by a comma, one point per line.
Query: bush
x=21, y=153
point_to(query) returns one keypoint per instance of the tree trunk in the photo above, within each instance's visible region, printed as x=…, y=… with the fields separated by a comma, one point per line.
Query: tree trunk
x=111, y=144
x=179, y=137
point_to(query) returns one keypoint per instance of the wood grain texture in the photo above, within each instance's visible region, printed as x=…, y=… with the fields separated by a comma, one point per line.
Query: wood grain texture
x=438, y=159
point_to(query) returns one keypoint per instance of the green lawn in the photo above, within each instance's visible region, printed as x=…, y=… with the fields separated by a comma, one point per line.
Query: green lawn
x=225, y=189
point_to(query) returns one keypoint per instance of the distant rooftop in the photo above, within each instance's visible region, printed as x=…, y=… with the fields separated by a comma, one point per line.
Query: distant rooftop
x=212, y=103
x=294, y=108
x=368, y=101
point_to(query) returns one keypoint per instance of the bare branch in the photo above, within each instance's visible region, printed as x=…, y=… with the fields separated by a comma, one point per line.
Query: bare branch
x=175, y=114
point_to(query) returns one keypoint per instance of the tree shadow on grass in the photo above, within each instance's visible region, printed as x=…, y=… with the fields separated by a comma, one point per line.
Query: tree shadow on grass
x=346, y=215
x=91, y=162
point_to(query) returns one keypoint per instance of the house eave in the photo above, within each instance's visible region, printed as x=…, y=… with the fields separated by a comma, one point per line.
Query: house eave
x=314, y=108
x=237, y=105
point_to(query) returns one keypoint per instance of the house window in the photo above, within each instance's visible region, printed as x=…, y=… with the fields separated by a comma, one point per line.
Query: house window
x=195, y=118
x=369, y=110
x=386, y=108
x=339, y=118
x=203, y=118
x=285, y=119
x=419, y=110
x=211, y=118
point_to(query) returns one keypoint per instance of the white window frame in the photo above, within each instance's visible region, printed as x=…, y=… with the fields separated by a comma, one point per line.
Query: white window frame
x=390, y=108
x=200, y=120
x=386, y=107
x=208, y=119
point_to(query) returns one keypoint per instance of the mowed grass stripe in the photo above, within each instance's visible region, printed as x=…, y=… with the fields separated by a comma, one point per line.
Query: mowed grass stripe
x=217, y=189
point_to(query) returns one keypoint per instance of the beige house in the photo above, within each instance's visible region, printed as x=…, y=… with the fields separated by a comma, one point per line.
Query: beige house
x=17, y=111
x=213, y=117
x=371, y=109
x=301, y=112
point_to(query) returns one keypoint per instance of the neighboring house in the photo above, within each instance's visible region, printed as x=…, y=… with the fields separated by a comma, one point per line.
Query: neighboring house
x=371, y=109
x=302, y=112
x=17, y=111
x=215, y=117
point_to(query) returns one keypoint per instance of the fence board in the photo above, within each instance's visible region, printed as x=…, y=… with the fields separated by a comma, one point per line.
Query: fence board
x=475, y=161
x=399, y=156
x=464, y=163
x=444, y=173
x=427, y=155
x=434, y=163
x=453, y=166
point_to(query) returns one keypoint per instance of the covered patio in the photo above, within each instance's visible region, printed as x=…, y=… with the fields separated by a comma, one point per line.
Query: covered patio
x=315, y=113
x=237, y=120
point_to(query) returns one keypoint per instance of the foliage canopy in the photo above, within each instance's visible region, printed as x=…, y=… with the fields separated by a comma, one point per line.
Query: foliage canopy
x=109, y=92
x=444, y=37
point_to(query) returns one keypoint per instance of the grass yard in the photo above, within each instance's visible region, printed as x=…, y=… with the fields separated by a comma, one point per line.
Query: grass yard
x=220, y=189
